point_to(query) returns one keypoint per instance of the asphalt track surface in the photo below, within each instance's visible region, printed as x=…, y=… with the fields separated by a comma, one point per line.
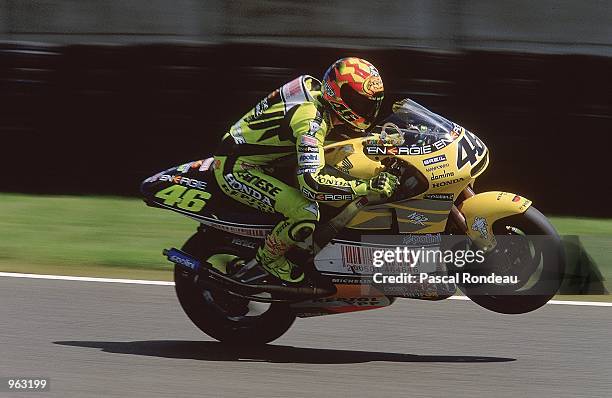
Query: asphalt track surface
x=118, y=340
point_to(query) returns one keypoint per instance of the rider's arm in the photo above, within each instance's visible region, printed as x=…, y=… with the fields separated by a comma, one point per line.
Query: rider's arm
x=309, y=130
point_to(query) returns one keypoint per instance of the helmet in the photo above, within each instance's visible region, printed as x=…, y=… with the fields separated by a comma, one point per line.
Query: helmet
x=354, y=90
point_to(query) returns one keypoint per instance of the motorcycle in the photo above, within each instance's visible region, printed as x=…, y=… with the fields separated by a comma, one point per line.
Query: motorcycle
x=225, y=293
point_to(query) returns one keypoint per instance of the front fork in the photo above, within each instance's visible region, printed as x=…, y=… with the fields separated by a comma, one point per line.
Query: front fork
x=457, y=225
x=474, y=214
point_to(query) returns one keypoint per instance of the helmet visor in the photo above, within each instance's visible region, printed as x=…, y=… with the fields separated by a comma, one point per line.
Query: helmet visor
x=360, y=104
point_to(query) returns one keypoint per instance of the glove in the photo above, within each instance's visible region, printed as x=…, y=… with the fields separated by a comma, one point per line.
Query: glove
x=384, y=184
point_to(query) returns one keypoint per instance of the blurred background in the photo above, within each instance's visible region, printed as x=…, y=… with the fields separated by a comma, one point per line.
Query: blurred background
x=96, y=95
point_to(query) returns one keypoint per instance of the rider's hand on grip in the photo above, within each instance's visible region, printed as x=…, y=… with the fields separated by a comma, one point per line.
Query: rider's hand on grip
x=384, y=184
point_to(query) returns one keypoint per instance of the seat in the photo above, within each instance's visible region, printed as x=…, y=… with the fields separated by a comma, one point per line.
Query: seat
x=219, y=206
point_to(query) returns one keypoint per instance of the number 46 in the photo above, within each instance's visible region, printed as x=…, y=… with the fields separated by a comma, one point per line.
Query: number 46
x=191, y=200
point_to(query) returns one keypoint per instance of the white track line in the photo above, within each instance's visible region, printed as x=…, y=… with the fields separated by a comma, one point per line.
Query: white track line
x=165, y=283
x=585, y=303
x=85, y=279
x=561, y=302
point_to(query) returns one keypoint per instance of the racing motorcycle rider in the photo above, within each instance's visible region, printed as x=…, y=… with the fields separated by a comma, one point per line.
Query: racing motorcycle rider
x=294, y=122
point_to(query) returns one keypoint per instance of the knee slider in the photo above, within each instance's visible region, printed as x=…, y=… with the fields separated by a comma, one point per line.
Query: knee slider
x=301, y=230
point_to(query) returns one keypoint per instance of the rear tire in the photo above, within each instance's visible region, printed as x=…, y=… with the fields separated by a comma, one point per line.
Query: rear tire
x=550, y=252
x=219, y=314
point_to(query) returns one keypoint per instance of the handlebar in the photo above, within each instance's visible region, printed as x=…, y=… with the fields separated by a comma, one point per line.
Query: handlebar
x=411, y=181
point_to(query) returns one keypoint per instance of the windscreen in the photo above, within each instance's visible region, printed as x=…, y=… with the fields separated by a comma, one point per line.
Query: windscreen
x=416, y=125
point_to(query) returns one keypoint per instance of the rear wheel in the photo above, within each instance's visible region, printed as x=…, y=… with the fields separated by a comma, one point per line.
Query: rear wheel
x=219, y=314
x=530, y=249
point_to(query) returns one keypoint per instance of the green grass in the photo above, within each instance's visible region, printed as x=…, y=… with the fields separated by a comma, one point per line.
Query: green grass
x=121, y=237
x=583, y=226
x=100, y=236
x=596, y=238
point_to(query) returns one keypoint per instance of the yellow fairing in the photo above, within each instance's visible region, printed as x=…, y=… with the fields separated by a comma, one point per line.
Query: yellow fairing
x=361, y=166
x=482, y=210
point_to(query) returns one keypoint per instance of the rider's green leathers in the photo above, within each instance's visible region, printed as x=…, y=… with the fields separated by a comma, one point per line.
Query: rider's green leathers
x=290, y=123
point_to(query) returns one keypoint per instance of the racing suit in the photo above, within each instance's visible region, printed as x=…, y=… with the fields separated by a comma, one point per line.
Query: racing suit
x=291, y=122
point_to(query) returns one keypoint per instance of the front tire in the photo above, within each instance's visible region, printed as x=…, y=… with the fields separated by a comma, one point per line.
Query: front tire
x=220, y=315
x=538, y=282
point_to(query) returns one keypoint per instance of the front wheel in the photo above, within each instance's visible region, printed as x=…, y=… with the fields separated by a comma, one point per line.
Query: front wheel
x=529, y=248
x=226, y=318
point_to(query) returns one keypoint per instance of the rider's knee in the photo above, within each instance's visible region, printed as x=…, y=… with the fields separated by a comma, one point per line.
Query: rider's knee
x=301, y=230
x=303, y=219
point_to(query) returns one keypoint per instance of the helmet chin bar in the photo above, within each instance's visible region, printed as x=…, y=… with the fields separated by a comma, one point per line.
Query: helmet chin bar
x=347, y=123
x=340, y=127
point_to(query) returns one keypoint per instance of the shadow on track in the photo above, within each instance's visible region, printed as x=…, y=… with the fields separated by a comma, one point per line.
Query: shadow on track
x=214, y=351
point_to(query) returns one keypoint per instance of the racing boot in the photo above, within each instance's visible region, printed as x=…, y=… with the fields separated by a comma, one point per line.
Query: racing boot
x=272, y=259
